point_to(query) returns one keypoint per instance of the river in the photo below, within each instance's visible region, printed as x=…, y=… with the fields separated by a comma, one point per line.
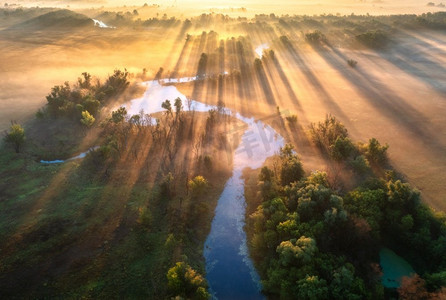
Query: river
x=229, y=269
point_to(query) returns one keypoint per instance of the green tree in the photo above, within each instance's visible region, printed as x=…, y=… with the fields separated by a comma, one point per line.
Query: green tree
x=87, y=119
x=91, y=105
x=116, y=83
x=324, y=134
x=292, y=169
x=58, y=98
x=345, y=285
x=15, y=136
x=185, y=282
x=84, y=83
x=375, y=152
x=296, y=252
x=198, y=185
x=312, y=288
x=119, y=115
x=360, y=164
x=341, y=149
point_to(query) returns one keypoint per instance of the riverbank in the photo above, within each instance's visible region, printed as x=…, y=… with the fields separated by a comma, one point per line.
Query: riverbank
x=79, y=228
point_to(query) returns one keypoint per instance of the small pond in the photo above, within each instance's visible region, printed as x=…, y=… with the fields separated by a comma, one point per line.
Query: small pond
x=394, y=268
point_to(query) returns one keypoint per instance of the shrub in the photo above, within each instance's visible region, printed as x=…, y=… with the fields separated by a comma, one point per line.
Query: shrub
x=373, y=38
x=352, y=63
x=315, y=37
x=15, y=136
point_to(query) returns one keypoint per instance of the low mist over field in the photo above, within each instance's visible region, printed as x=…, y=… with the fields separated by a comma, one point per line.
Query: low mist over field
x=331, y=113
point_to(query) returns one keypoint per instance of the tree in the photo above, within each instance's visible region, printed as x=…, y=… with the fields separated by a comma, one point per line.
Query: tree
x=119, y=115
x=202, y=63
x=91, y=105
x=315, y=37
x=167, y=106
x=375, y=152
x=412, y=288
x=312, y=288
x=15, y=136
x=297, y=252
x=117, y=82
x=324, y=134
x=185, y=282
x=345, y=285
x=58, y=98
x=292, y=169
x=360, y=164
x=159, y=74
x=197, y=185
x=341, y=148
x=86, y=82
x=87, y=119
x=178, y=107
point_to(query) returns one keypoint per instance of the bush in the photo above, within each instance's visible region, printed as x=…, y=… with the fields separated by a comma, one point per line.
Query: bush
x=15, y=137
x=373, y=39
x=315, y=37
x=352, y=63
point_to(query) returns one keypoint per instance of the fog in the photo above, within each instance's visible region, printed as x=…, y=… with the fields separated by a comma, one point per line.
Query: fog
x=394, y=94
x=251, y=7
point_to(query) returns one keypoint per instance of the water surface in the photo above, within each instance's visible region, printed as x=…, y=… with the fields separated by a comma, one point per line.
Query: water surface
x=394, y=268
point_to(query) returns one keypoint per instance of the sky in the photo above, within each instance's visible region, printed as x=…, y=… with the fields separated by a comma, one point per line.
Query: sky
x=299, y=7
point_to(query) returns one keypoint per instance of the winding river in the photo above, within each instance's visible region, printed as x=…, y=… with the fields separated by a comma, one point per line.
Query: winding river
x=229, y=270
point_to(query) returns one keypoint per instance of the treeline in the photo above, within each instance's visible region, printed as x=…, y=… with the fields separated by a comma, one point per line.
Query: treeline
x=351, y=24
x=310, y=241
